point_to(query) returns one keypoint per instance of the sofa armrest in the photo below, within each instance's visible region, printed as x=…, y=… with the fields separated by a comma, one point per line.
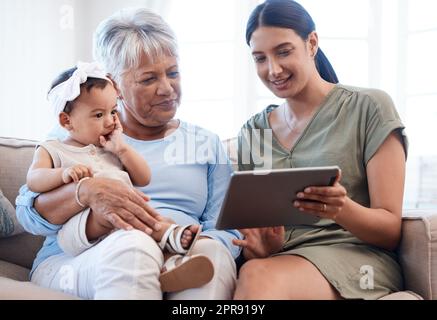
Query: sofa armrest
x=418, y=252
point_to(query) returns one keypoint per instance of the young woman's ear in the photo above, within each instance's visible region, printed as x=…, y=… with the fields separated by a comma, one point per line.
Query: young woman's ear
x=65, y=121
x=313, y=43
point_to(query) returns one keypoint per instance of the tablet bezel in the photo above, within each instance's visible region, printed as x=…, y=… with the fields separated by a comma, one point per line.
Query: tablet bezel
x=260, y=198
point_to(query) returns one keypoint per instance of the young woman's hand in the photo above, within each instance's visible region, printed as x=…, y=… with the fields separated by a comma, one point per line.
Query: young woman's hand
x=75, y=173
x=324, y=202
x=261, y=242
x=114, y=141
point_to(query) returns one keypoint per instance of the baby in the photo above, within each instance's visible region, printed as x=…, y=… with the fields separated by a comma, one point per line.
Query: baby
x=85, y=101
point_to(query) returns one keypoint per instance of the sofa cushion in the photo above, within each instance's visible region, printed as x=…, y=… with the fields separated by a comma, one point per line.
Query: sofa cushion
x=402, y=295
x=13, y=271
x=9, y=225
x=17, y=290
x=418, y=252
x=20, y=249
x=15, y=158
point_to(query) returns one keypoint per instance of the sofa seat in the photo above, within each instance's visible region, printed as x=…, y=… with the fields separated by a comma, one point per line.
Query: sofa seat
x=23, y=290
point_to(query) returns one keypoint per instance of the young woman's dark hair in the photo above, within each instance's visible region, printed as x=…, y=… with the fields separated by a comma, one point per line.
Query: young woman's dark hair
x=291, y=15
x=88, y=85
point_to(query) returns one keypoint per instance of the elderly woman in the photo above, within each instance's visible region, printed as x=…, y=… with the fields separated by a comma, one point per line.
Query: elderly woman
x=190, y=172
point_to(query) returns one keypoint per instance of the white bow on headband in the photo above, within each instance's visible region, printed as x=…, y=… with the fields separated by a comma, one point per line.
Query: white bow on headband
x=70, y=89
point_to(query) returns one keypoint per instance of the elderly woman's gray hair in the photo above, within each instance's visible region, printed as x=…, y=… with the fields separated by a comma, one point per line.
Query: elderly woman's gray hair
x=121, y=39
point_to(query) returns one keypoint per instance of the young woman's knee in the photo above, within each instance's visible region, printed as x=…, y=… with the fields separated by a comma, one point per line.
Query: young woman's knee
x=253, y=270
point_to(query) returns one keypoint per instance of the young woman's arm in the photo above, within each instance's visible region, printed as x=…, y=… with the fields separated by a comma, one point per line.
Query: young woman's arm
x=219, y=173
x=379, y=225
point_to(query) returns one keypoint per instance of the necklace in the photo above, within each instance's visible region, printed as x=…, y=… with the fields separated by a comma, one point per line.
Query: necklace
x=294, y=128
x=286, y=120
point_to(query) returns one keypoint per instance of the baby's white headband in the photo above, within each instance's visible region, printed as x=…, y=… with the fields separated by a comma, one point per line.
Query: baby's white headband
x=70, y=89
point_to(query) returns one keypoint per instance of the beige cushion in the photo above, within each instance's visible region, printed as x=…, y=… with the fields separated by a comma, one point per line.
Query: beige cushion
x=418, y=252
x=17, y=290
x=13, y=271
x=402, y=295
x=18, y=252
x=15, y=158
x=20, y=249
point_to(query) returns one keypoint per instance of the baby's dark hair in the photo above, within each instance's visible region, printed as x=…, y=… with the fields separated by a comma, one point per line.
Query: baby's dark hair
x=88, y=85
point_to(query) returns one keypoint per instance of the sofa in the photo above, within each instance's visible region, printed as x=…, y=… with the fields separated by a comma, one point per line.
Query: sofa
x=417, y=250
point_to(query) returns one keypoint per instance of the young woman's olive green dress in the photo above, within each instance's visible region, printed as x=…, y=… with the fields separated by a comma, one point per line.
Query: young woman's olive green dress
x=346, y=130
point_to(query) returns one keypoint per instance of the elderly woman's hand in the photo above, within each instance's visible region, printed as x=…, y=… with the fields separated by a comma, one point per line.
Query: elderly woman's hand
x=261, y=242
x=324, y=202
x=122, y=206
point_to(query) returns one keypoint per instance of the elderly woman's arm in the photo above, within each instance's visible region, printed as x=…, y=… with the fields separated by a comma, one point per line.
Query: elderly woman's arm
x=112, y=202
x=29, y=218
x=218, y=179
x=58, y=205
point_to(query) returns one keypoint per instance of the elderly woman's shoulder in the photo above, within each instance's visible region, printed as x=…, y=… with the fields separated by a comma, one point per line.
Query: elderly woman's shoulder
x=197, y=131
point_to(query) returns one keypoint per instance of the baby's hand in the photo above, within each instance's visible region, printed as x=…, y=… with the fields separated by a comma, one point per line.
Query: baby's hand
x=75, y=173
x=114, y=141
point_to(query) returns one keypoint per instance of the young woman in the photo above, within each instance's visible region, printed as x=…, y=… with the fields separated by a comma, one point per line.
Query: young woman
x=350, y=252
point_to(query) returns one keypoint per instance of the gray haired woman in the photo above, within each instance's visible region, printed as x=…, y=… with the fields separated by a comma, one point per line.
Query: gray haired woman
x=190, y=172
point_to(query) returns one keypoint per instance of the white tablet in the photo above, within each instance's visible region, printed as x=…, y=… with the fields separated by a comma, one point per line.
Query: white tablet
x=265, y=198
